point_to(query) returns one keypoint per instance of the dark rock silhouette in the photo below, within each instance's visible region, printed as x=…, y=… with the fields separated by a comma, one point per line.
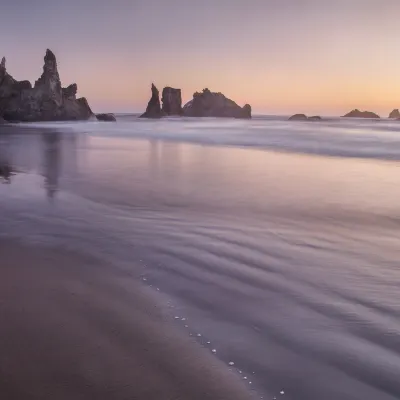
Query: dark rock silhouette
x=2, y=121
x=106, y=117
x=153, y=109
x=246, y=111
x=298, y=117
x=171, y=101
x=314, y=118
x=361, y=114
x=70, y=92
x=395, y=114
x=210, y=104
x=303, y=117
x=46, y=101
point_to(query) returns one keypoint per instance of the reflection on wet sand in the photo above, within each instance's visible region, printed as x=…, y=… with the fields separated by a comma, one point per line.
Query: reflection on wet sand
x=51, y=162
x=5, y=172
x=43, y=148
x=6, y=169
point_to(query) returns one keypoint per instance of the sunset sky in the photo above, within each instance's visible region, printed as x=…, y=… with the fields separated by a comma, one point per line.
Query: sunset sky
x=281, y=56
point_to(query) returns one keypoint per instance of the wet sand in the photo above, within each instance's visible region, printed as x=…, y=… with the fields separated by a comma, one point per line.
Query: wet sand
x=286, y=263
x=72, y=327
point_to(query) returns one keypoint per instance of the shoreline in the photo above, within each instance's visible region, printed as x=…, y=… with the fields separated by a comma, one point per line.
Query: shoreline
x=292, y=141
x=73, y=327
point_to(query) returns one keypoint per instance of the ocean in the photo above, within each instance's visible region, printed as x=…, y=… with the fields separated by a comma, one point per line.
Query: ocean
x=275, y=245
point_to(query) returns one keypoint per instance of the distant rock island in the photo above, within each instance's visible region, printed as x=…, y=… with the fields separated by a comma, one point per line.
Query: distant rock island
x=204, y=104
x=45, y=101
x=303, y=117
x=361, y=114
x=395, y=114
x=106, y=117
x=210, y=104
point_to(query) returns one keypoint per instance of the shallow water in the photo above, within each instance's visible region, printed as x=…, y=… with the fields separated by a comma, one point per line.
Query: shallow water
x=288, y=264
x=349, y=137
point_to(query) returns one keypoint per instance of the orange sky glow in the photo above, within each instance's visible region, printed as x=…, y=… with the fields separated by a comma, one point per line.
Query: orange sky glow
x=281, y=57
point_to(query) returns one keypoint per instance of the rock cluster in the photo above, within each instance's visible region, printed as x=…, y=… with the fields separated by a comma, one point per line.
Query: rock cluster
x=46, y=101
x=361, y=114
x=204, y=104
x=395, y=114
x=303, y=117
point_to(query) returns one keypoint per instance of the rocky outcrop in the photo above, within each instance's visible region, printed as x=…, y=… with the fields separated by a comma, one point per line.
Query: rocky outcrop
x=106, y=117
x=210, y=104
x=246, y=111
x=70, y=91
x=395, y=114
x=153, y=109
x=303, y=117
x=361, y=114
x=298, y=117
x=171, y=101
x=46, y=101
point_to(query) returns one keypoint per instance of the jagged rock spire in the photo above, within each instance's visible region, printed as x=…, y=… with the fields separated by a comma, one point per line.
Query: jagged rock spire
x=3, y=70
x=50, y=74
x=153, y=109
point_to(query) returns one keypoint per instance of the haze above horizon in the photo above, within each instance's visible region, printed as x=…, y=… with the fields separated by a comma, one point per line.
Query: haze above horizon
x=281, y=57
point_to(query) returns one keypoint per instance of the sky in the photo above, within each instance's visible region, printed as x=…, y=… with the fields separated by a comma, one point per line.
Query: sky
x=281, y=56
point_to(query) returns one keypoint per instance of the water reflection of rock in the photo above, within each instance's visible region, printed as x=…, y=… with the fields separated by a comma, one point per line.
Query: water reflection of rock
x=5, y=172
x=6, y=169
x=51, y=162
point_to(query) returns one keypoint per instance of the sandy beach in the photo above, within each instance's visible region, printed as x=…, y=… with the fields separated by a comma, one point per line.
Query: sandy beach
x=71, y=329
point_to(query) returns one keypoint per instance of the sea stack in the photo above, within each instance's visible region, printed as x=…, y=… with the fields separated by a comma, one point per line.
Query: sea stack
x=395, y=114
x=210, y=104
x=46, y=101
x=361, y=114
x=171, y=101
x=153, y=109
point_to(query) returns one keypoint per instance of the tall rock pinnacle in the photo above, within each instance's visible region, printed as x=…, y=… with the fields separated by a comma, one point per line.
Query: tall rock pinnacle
x=153, y=109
